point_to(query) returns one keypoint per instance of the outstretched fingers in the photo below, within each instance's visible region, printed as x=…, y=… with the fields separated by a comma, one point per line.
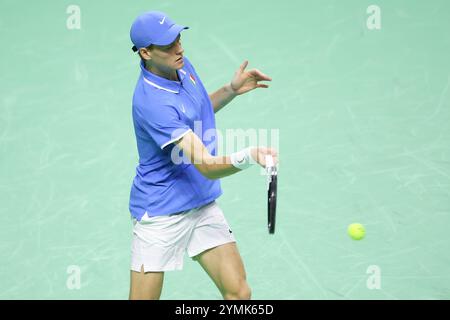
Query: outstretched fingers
x=259, y=75
x=243, y=66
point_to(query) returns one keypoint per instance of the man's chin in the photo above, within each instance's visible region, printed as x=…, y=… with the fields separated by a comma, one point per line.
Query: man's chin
x=179, y=64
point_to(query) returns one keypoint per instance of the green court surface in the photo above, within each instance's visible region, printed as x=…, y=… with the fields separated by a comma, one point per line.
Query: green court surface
x=363, y=118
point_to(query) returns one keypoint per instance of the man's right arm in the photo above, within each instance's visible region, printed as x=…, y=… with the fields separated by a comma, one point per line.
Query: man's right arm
x=216, y=167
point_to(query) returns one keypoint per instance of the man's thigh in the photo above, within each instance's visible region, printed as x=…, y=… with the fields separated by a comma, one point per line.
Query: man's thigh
x=146, y=285
x=225, y=267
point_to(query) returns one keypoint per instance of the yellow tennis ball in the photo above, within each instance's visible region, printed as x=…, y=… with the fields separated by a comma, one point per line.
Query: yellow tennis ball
x=356, y=231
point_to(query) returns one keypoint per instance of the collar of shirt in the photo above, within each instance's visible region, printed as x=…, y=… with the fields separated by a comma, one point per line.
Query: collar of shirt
x=163, y=83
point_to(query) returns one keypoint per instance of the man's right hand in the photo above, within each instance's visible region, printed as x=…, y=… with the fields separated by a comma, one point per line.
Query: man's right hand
x=259, y=155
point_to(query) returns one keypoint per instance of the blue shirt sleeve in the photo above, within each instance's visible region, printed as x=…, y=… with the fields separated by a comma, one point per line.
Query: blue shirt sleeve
x=163, y=123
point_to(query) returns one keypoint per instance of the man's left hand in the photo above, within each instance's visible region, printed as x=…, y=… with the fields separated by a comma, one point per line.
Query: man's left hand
x=245, y=81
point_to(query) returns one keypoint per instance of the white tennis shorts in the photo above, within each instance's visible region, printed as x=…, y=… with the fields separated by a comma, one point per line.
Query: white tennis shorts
x=159, y=242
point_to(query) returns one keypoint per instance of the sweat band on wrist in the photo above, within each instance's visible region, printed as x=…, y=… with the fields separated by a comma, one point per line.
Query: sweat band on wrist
x=242, y=159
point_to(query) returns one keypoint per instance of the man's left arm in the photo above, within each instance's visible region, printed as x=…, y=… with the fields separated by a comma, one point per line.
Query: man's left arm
x=242, y=82
x=222, y=97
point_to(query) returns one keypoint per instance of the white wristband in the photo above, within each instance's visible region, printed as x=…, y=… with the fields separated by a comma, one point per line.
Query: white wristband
x=242, y=159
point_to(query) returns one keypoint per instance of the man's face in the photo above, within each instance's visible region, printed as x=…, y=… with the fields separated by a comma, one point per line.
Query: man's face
x=168, y=57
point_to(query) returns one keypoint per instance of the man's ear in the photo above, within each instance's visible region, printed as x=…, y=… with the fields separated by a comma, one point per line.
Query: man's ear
x=145, y=54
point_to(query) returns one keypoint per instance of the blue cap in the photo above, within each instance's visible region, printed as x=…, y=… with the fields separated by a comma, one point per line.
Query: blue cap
x=154, y=27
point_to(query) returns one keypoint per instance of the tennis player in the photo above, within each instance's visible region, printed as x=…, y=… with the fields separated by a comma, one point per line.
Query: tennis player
x=172, y=203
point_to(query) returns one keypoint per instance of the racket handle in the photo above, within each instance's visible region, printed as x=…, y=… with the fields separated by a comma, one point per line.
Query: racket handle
x=269, y=161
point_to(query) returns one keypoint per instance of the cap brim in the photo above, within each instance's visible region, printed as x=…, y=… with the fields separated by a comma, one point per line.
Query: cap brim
x=170, y=35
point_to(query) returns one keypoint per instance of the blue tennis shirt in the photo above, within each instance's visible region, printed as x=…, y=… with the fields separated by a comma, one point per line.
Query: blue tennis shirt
x=163, y=111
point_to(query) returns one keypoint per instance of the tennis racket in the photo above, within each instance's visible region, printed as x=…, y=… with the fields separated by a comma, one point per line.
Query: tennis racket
x=272, y=176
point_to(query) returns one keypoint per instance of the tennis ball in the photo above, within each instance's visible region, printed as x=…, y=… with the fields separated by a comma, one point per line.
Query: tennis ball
x=356, y=231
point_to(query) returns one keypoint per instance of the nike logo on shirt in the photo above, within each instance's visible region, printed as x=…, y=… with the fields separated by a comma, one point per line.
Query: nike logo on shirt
x=162, y=21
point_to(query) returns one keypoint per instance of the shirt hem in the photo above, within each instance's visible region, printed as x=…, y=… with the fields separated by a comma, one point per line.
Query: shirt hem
x=190, y=207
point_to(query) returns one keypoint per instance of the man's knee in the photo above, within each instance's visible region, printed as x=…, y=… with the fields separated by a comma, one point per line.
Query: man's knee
x=242, y=292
